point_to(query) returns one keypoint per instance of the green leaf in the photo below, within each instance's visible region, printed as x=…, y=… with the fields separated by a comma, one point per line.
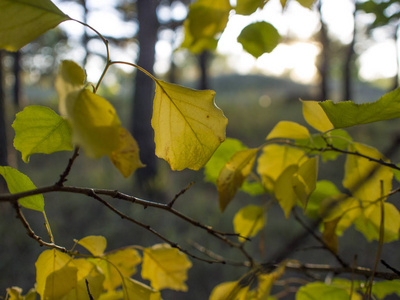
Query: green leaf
x=220, y=157
x=17, y=183
x=39, y=129
x=187, y=124
x=320, y=290
x=289, y=130
x=324, y=189
x=165, y=267
x=347, y=113
x=259, y=38
x=21, y=21
x=248, y=221
x=233, y=174
x=382, y=289
x=247, y=7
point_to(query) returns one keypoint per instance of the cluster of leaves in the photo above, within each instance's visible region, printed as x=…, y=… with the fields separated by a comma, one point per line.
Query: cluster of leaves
x=189, y=129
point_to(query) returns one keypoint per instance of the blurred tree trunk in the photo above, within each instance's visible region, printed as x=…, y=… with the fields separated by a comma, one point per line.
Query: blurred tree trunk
x=3, y=136
x=85, y=37
x=323, y=67
x=204, y=58
x=396, y=40
x=17, y=79
x=144, y=92
x=348, y=65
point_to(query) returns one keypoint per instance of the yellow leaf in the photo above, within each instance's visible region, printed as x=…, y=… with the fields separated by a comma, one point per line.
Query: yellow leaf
x=288, y=130
x=48, y=262
x=95, y=244
x=329, y=235
x=70, y=78
x=21, y=21
x=233, y=174
x=112, y=295
x=367, y=180
x=248, y=221
x=136, y=290
x=274, y=160
x=284, y=191
x=116, y=264
x=87, y=271
x=60, y=282
x=165, y=267
x=305, y=180
x=265, y=282
x=126, y=157
x=229, y=291
x=315, y=116
x=14, y=293
x=187, y=124
x=95, y=123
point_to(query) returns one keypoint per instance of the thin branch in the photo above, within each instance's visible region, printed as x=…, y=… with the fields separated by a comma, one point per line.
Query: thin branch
x=172, y=202
x=63, y=176
x=390, y=267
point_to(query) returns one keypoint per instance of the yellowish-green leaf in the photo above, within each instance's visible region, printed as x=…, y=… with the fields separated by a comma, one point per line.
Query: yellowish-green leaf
x=95, y=244
x=112, y=295
x=305, y=180
x=265, y=282
x=259, y=38
x=284, y=191
x=17, y=183
x=198, y=45
x=320, y=290
x=95, y=123
x=136, y=290
x=289, y=130
x=283, y=3
x=187, y=124
x=384, y=288
x=14, y=293
x=233, y=175
x=247, y=7
x=274, y=160
x=48, y=262
x=324, y=189
x=329, y=235
x=39, y=129
x=21, y=21
x=70, y=78
x=126, y=157
x=347, y=113
x=87, y=271
x=60, y=282
x=306, y=3
x=231, y=290
x=369, y=222
x=315, y=116
x=367, y=180
x=248, y=221
x=116, y=264
x=165, y=267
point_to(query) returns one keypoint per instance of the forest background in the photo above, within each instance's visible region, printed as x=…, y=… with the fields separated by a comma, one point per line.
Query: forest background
x=317, y=62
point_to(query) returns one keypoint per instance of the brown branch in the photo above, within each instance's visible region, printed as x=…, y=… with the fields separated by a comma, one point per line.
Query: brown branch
x=172, y=202
x=63, y=176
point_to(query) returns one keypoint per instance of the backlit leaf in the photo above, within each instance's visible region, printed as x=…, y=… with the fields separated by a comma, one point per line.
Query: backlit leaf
x=367, y=180
x=284, y=191
x=265, y=283
x=95, y=123
x=329, y=235
x=14, y=293
x=60, y=282
x=95, y=244
x=324, y=189
x=118, y=263
x=247, y=7
x=126, y=157
x=220, y=157
x=137, y=290
x=369, y=222
x=305, y=180
x=315, y=116
x=21, y=21
x=233, y=175
x=198, y=45
x=274, y=160
x=17, y=183
x=70, y=78
x=306, y=3
x=48, y=262
x=229, y=291
x=288, y=130
x=259, y=38
x=39, y=129
x=320, y=290
x=165, y=267
x=382, y=289
x=188, y=126
x=248, y=221
x=348, y=113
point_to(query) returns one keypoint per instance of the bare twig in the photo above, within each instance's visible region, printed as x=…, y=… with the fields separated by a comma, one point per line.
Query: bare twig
x=170, y=204
x=63, y=176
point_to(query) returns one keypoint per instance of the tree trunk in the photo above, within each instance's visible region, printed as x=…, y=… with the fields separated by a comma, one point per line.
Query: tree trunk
x=17, y=79
x=144, y=92
x=204, y=78
x=323, y=67
x=396, y=40
x=348, y=65
x=3, y=135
